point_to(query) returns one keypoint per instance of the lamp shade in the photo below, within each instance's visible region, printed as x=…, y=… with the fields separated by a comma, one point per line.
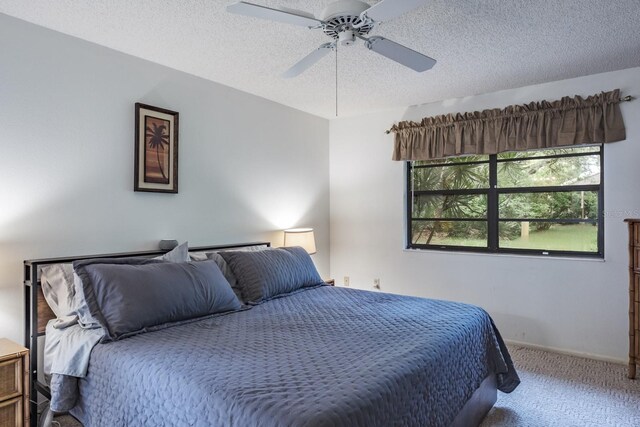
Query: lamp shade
x=301, y=237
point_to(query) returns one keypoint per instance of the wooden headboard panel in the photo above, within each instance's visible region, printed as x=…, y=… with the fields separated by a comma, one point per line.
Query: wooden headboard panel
x=38, y=312
x=44, y=312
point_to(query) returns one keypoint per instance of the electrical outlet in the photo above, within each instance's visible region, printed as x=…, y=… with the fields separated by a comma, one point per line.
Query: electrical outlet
x=346, y=280
x=376, y=284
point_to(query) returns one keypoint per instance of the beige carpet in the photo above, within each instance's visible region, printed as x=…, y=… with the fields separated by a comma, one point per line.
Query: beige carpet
x=559, y=391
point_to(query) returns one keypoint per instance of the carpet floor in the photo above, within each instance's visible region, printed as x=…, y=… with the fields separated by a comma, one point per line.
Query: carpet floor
x=556, y=391
x=567, y=391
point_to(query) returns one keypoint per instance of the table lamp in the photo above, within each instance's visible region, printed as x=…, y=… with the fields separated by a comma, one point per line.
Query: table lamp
x=301, y=237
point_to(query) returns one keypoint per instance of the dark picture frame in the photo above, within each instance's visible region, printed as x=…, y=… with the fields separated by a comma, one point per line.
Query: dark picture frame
x=156, y=149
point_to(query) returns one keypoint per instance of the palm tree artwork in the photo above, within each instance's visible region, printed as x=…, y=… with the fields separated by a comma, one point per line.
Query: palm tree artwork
x=156, y=159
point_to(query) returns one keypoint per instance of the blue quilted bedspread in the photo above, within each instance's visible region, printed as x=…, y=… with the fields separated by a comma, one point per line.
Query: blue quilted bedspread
x=320, y=357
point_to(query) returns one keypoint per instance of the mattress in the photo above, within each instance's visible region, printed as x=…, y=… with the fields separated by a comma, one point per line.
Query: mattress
x=318, y=357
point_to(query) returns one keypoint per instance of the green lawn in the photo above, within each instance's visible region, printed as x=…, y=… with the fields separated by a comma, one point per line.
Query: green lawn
x=576, y=237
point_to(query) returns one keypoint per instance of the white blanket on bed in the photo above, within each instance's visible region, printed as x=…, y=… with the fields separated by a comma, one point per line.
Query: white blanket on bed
x=73, y=334
x=67, y=351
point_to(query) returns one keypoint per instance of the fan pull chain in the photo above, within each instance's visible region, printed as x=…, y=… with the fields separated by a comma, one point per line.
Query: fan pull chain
x=336, y=79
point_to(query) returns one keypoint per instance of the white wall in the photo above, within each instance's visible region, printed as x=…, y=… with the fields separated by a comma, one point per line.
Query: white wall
x=248, y=166
x=574, y=305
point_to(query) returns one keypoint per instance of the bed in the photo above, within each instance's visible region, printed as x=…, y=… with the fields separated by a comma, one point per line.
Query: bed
x=314, y=356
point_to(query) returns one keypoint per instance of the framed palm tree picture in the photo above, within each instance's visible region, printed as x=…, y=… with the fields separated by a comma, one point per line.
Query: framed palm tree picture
x=156, y=150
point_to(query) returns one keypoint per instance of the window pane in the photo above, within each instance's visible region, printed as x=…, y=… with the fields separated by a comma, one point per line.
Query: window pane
x=549, y=152
x=449, y=233
x=457, y=177
x=452, y=206
x=449, y=201
x=583, y=170
x=551, y=205
x=452, y=160
x=549, y=236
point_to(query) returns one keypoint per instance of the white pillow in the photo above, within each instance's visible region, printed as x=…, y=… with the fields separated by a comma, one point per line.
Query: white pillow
x=178, y=254
x=58, y=289
x=62, y=289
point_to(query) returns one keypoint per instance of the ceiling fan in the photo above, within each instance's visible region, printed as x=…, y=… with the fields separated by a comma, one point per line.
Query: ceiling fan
x=345, y=21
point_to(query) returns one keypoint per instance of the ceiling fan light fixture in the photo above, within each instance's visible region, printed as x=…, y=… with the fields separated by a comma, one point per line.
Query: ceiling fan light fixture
x=346, y=37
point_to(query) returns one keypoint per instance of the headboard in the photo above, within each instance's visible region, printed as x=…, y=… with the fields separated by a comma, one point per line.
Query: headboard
x=38, y=313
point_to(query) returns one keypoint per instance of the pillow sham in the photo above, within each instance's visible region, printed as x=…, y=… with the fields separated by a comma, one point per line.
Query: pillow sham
x=63, y=292
x=262, y=275
x=131, y=295
x=62, y=289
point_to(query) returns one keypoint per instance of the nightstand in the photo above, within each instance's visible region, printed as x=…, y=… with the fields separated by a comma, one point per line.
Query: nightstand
x=14, y=384
x=330, y=282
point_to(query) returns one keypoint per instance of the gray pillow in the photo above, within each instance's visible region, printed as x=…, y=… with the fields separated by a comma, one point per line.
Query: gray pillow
x=63, y=290
x=222, y=264
x=265, y=274
x=132, y=295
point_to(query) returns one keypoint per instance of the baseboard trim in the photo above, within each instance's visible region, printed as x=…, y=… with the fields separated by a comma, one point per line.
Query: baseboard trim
x=568, y=352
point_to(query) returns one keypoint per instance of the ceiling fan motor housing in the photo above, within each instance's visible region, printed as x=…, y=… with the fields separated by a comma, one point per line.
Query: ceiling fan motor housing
x=343, y=21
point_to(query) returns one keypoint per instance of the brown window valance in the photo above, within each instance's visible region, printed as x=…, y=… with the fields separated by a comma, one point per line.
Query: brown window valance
x=569, y=121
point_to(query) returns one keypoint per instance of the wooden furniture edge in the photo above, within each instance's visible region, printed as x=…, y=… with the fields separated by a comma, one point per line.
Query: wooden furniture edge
x=634, y=298
x=11, y=350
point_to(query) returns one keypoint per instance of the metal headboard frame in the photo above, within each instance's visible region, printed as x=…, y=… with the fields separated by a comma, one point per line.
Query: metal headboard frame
x=31, y=288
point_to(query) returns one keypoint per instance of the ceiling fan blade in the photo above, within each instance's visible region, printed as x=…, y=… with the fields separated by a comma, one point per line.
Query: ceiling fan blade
x=257, y=11
x=401, y=54
x=308, y=60
x=386, y=10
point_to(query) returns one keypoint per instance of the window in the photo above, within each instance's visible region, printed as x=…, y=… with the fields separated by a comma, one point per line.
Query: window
x=546, y=202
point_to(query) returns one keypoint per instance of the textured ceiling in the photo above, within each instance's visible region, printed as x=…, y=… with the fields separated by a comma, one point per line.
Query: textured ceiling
x=481, y=46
